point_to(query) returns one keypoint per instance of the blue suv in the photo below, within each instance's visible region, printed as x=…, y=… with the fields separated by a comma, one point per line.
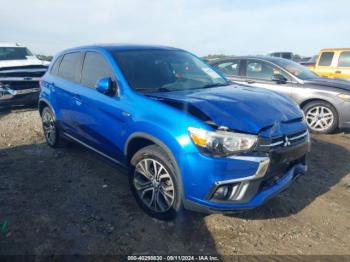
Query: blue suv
x=189, y=137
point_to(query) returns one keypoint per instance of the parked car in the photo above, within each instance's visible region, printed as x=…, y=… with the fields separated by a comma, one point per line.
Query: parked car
x=310, y=62
x=333, y=63
x=188, y=137
x=325, y=102
x=286, y=55
x=20, y=72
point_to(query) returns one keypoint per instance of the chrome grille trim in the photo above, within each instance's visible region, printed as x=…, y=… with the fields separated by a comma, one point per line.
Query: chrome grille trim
x=299, y=136
x=290, y=137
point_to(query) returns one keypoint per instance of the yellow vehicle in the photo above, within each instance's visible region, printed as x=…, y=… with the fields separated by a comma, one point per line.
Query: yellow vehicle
x=333, y=63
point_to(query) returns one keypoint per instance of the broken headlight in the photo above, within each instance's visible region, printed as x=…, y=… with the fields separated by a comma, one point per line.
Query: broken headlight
x=221, y=143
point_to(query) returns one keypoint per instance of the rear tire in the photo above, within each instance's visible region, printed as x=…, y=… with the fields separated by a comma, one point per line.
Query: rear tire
x=51, y=130
x=154, y=183
x=321, y=117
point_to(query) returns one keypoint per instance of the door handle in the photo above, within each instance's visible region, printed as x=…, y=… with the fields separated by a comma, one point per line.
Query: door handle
x=250, y=81
x=338, y=72
x=77, y=99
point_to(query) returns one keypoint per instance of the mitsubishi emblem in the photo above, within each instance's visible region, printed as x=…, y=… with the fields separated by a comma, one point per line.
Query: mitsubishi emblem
x=286, y=142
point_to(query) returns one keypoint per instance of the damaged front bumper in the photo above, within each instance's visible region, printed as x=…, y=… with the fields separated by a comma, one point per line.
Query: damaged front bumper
x=261, y=196
x=12, y=96
x=20, y=85
x=245, y=182
x=8, y=93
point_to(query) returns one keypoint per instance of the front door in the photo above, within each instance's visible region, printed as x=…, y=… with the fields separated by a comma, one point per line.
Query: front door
x=325, y=66
x=259, y=74
x=342, y=69
x=99, y=117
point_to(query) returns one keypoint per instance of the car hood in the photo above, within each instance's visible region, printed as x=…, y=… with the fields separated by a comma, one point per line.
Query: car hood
x=330, y=82
x=27, y=62
x=237, y=107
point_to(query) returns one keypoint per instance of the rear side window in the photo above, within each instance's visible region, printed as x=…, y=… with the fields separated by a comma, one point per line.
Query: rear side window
x=344, y=59
x=326, y=59
x=95, y=67
x=70, y=66
x=229, y=68
x=56, y=65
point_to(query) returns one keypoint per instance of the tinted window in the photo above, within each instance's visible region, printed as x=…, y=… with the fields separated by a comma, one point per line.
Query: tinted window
x=326, y=59
x=230, y=68
x=55, y=66
x=262, y=70
x=344, y=59
x=166, y=70
x=95, y=67
x=70, y=66
x=287, y=56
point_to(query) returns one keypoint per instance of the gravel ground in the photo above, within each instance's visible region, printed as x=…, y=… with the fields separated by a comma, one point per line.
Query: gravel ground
x=70, y=201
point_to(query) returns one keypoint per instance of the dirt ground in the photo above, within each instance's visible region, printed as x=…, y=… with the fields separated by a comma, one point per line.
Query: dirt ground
x=70, y=201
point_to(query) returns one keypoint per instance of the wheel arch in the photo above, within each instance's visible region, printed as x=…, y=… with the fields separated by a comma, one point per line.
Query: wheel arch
x=147, y=139
x=43, y=103
x=138, y=140
x=307, y=101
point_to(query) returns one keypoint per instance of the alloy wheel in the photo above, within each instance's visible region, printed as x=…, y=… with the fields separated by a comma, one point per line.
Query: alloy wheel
x=49, y=127
x=154, y=185
x=319, y=118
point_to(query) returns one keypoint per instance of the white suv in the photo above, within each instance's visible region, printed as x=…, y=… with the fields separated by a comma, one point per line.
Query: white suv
x=20, y=72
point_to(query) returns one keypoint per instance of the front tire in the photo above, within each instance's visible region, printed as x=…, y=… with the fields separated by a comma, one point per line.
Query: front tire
x=321, y=117
x=154, y=183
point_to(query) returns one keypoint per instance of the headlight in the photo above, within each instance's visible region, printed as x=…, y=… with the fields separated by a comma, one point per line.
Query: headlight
x=221, y=143
x=344, y=97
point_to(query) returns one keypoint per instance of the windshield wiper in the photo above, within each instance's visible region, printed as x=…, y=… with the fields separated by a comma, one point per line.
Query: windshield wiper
x=212, y=85
x=153, y=90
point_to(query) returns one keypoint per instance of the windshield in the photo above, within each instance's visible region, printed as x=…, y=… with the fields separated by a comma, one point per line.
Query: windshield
x=296, y=69
x=14, y=53
x=164, y=70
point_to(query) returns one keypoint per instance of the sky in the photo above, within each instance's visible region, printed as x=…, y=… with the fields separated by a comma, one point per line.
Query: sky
x=201, y=26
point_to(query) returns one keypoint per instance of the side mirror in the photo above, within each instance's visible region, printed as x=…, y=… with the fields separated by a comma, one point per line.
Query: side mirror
x=279, y=79
x=105, y=86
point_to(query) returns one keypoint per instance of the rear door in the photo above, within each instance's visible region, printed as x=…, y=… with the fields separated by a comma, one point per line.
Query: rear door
x=342, y=69
x=64, y=89
x=259, y=73
x=325, y=65
x=230, y=69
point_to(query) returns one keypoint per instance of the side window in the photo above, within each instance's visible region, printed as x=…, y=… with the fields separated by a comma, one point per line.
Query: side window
x=326, y=59
x=70, y=66
x=230, y=68
x=261, y=70
x=344, y=59
x=95, y=67
x=56, y=65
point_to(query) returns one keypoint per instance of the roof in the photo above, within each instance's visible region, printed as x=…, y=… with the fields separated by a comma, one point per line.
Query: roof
x=9, y=45
x=124, y=47
x=267, y=58
x=335, y=49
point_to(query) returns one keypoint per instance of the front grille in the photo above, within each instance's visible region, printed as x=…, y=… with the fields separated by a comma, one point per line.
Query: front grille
x=289, y=140
x=284, y=152
x=23, y=74
x=23, y=71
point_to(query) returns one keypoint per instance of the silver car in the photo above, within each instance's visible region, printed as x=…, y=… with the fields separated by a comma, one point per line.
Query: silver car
x=325, y=102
